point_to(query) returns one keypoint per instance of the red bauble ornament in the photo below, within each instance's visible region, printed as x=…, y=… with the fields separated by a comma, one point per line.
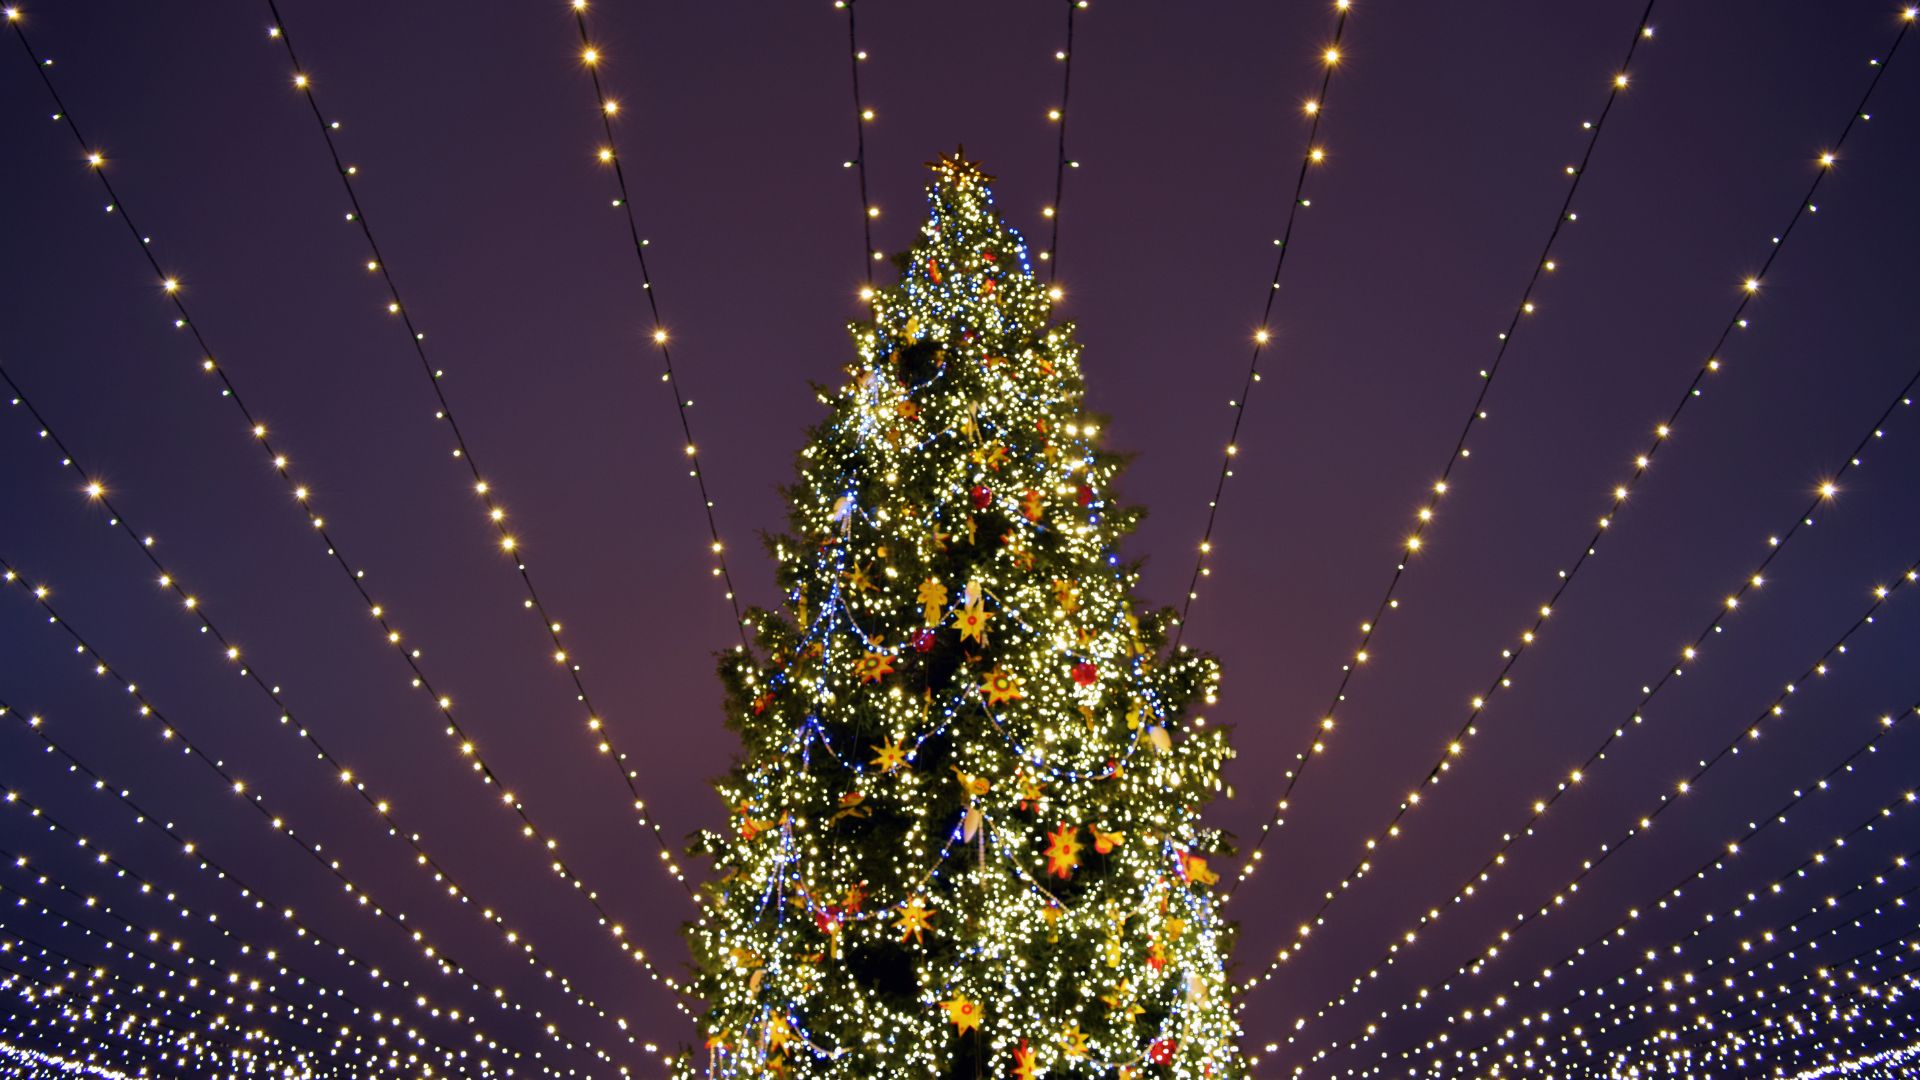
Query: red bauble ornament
x=1086, y=495
x=922, y=640
x=982, y=498
x=1160, y=1051
x=1085, y=674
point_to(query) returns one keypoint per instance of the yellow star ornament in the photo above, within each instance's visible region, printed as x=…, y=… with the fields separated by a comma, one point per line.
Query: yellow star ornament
x=892, y=757
x=1073, y=1040
x=999, y=687
x=965, y=1015
x=873, y=667
x=915, y=919
x=972, y=620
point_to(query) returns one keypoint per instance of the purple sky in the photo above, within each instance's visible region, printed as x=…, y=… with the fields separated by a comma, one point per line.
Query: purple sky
x=1447, y=136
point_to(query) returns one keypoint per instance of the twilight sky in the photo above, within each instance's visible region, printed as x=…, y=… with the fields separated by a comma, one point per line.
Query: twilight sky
x=1447, y=133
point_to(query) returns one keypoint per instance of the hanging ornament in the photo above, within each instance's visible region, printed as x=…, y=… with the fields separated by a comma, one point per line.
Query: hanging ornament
x=964, y=1014
x=970, y=825
x=972, y=620
x=873, y=667
x=1000, y=688
x=982, y=497
x=922, y=640
x=891, y=757
x=933, y=599
x=1161, y=1050
x=1066, y=593
x=1073, y=1041
x=933, y=270
x=915, y=919
x=1031, y=507
x=1105, y=842
x=1031, y=792
x=1158, y=736
x=1086, y=673
x=850, y=807
x=1063, y=851
x=990, y=456
x=1023, y=1066
x=1195, y=869
x=972, y=786
x=1085, y=495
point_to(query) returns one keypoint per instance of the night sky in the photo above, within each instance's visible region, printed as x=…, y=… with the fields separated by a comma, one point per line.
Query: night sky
x=1448, y=132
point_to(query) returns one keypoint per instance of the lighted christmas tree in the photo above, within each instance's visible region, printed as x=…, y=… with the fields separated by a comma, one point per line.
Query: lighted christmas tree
x=963, y=836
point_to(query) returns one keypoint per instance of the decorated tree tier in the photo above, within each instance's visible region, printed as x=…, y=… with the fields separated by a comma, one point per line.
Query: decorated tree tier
x=963, y=837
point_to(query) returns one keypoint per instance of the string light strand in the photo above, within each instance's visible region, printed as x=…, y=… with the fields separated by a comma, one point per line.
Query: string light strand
x=1314, y=154
x=1689, y=655
x=610, y=154
x=1641, y=465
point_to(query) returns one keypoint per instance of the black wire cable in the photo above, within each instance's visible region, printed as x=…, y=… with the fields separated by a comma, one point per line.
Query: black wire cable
x=1299, y=202
x=859, y=163
x=681, y=403
x=1061, y=163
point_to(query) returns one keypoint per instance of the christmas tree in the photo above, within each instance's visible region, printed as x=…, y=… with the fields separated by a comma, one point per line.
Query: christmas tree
x=963, y=837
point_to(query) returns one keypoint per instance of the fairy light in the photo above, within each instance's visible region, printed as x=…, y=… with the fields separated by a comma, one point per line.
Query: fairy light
x=44, y=1064
x=190, y=1037
x=601, y=739
x=249, y=895
x=443, y=702
x=1523, y=988
x=186, y=1026
x=1882, y=728
x=1714, y=364
x=1427, y=512
x=445, y=883
x=411, y=656
x=1720, y=977
x=1641, y=1007
x=1534, y=1025
x=175, y=961
x=1749, y=582
x=1316, y=109
x=1058, y=117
